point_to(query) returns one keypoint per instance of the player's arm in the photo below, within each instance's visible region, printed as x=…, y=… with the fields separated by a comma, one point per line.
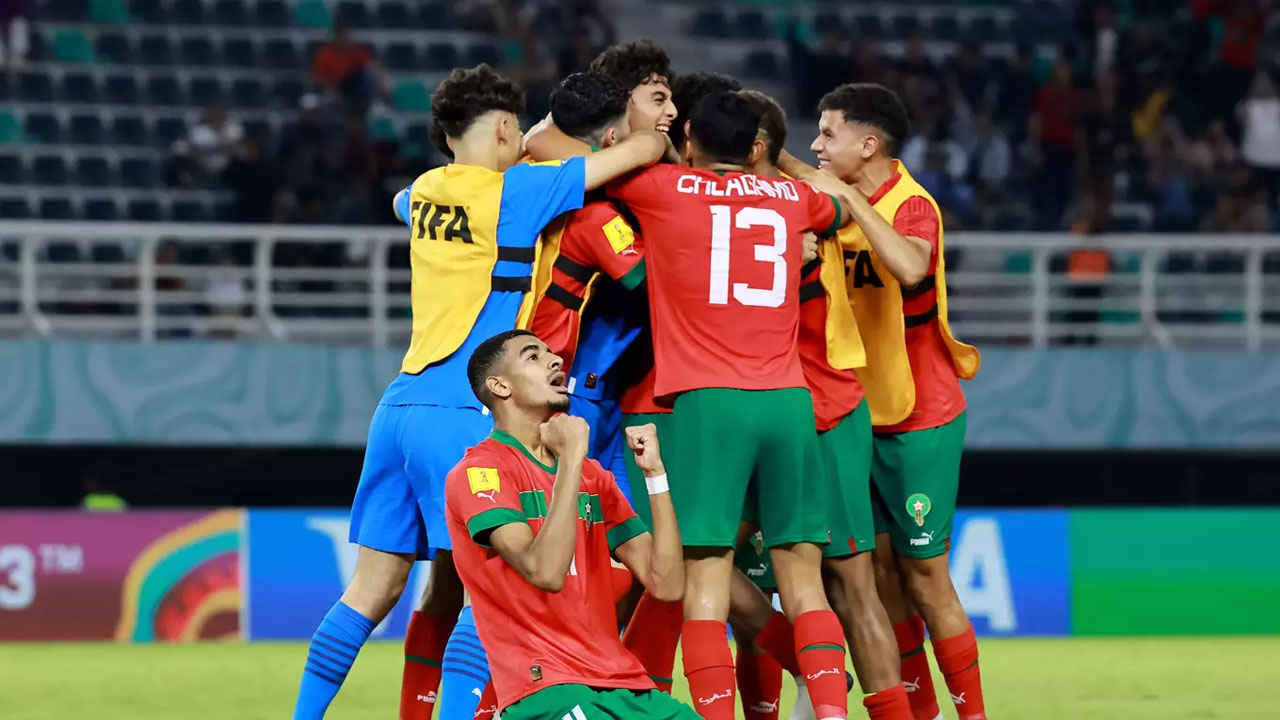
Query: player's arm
x=400, y=206
x=656, y=559
x=796, y=168
x=545, y=141
x=617, y=250
x=544, y=559
x=640, y=149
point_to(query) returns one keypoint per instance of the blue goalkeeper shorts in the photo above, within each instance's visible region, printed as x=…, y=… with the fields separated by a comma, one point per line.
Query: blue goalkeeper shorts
x=399, y=505
x=608, y=445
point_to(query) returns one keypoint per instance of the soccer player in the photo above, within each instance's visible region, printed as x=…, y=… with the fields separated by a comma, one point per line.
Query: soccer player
x=533, y=523
x=897, y=283
x=473, y=229
x=725, y=314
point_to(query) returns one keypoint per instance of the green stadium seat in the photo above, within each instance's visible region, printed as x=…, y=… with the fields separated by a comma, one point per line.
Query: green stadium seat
x=272, y=13
x=93, y=171
x=383, y=128
x=114, y=48
x=312, y=14
x=411, y=96
x=240, y=52
x=109, y=11
x=79, y=88
x=49, y=170
x=230, y=12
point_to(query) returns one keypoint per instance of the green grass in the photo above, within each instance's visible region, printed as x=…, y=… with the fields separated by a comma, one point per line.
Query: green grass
x=1093, y=678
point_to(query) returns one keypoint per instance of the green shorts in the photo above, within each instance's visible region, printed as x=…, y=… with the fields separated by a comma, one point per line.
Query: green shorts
x=846, y=473
x=915, y=476
x=752, y=559
x=579, y=702
x=639, y=495
x=729, y=443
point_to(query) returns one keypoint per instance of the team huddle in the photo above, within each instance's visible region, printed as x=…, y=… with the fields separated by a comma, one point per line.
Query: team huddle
x=661, y=370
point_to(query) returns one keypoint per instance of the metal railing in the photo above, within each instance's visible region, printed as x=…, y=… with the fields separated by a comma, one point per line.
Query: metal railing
x=350, y=285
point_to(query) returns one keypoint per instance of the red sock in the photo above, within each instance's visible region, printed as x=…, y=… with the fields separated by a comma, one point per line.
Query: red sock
x=759, y=684
x=652, y=636
x=779, y=640
x=890, y=704
x=958, y=660
x=488, y=705
x=915, y=668
x=621, y=578
x=820, y=652
x=709, y=667
x=423, y=652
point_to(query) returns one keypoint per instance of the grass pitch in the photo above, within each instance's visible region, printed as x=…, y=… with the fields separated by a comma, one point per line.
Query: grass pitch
x=1075, y=679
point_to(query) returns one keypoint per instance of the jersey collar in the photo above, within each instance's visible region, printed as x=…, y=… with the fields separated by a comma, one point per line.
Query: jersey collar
x=506, y=439
x=887, y=185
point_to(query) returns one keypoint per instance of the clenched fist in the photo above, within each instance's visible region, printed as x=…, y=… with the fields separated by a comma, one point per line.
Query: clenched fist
x=566, y=436
x=643, y=441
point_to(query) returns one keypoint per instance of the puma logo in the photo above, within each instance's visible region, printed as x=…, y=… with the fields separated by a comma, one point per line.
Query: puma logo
x=488, y=496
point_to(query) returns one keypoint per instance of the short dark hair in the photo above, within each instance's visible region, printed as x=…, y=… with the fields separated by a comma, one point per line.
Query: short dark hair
x=632, y=63
x=874, y=105
x=688, y=89
x=773, y=122
x=724, y=126
x=586, y=102
x=485, y=358
x=466, y=95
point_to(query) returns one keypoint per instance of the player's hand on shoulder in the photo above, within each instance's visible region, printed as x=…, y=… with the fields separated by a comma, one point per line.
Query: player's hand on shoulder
x=567, y=436
x=810, y=247
x=643, y=441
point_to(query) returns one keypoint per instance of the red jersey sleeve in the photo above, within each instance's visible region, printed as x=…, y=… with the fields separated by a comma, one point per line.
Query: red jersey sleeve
x=620, y=522
x=640, y=188
x=614, y=250
x=482, y=494
x=823, y=209
x=917, y=218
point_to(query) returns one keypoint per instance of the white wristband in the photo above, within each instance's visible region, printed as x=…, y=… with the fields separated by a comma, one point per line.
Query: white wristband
x=657, y=484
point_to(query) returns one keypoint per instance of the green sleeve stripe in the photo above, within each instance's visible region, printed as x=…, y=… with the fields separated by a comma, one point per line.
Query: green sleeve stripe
x=634, y=276
x=822, y=646
x=422, y=660
x=835, y=224
x=491, y=519
x=660, y=680
x=624, y=531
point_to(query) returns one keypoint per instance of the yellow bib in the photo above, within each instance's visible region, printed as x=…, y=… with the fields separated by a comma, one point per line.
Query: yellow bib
x=844, y=345
x=876, y=298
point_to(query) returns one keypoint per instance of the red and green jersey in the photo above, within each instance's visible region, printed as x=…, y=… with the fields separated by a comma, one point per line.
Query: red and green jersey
x=836, y=393
x=595, y=240
x=537, y=639
x=723, y=252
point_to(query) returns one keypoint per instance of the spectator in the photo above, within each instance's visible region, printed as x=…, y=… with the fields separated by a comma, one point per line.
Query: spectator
x=868, y=65
x=1241, y=209
x=1053, y=135
x=536, y=68
x=1259, y=115
x=1242, y=23
x=588, y=15
x=303, y=143
x=577, y=56
x=15, y=33
x=208, y=147
x=1106, y=136
x=990, y=160
x=815, y=73
x=347, y=71
x=1017, y=94
x=256, y=184
x=226, y=295
x=970, y=76
x=915, y=63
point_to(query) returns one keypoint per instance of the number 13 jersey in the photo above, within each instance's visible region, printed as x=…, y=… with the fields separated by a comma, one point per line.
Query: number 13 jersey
x=724, y=254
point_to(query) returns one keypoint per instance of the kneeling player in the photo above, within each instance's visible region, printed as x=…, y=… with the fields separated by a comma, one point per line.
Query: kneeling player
x=533, y=523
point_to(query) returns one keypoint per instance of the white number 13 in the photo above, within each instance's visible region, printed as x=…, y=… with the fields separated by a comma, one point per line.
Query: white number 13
x=748, y=217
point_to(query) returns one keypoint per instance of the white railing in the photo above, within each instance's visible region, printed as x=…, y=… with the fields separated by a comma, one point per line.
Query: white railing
x=351, y=285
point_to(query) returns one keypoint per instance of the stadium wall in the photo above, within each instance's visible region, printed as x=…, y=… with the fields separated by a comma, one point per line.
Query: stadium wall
x=172, y=576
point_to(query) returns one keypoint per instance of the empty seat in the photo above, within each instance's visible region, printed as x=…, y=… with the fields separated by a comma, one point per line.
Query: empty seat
x=189, y=211
x=86, y=130
x=155, y=50
x=79, y=88
x=871, y=26
x=106, y=252
x=484, y=53
x=114, y=47
x=945, y=28
x=393, y=15
x=240, y=52
x=281, y=54
x=11, y=170
x=101, y=209
x=14, y=208
x=762, y=64
x=230, y=12
x=130, y=130
x=352, y=13
x=410, y=96
x=905, y=25
x=49, y=170
x=286, y=91
x=71, y=46
x=827, y=22
x=436, y=16
x=711, y=23
x=983, y=29
x=751, y=24
x=169, y=129
x=95, y=171
x=187, y=12
x=205, y=90
x=138, y=173
x=121, y=89
x=197, y=51
x=256, y=128
x=44, y=127
x=248, y=93
x=35, y=87
x=442, y=56
x=59, y=208
x=165, y=90
x=272, y=13
x=400, y=56
x=144, y=210
x=151, y=11
x=312, y=14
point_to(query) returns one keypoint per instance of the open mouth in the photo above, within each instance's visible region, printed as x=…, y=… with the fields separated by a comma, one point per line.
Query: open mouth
x=559, y=381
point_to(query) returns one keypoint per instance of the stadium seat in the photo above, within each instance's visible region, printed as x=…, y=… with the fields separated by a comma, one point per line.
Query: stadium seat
x=312, y=14
x=49, y=170
x=90, y=170
x=144, y=210
x=111, y=12
x=114, y=48
x=189, y=211
x=484, y=53
x=59, y=209
x=982, y=29
x=436, y=16
x=410, y=96
x=155, y=50
x=66, y=11
x=281, y=54
x=248, y=93
x=14, y=208
x=205, y=90
x=169, y=129
x=352, y=13
x=71, y=46
x=751, y=24
x=138, y=173
x=904, y=25
x=11, y=170
x=148, y=11
x=224, y=212
x=86, y=130
x=44, y=128
x=870, y=26
x=101, y=209
x=197, y=51
x=106, y=252
x=762, y=64
x=287, y=90
x=130, y=130
x=240, y=52
x=272, y=13
x=711, y=23
x=165, y=90
x=187, y=12
x=79, y=88
x=35, y=86
x=442, y=56
x=382, y=128
x=827, y=22
x=393, y=15
x=400, y=56
x=418, y=133
x=257, y=128
x=230, y=12
x=10, y=130
x=945, y=28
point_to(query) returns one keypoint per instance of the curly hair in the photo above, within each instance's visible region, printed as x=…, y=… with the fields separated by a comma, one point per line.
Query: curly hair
x=686, y=91
x=773, y=122
x=585, y=103
x=464, y=96
x=724, y=126
x=874, y=105
x=633, y=63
